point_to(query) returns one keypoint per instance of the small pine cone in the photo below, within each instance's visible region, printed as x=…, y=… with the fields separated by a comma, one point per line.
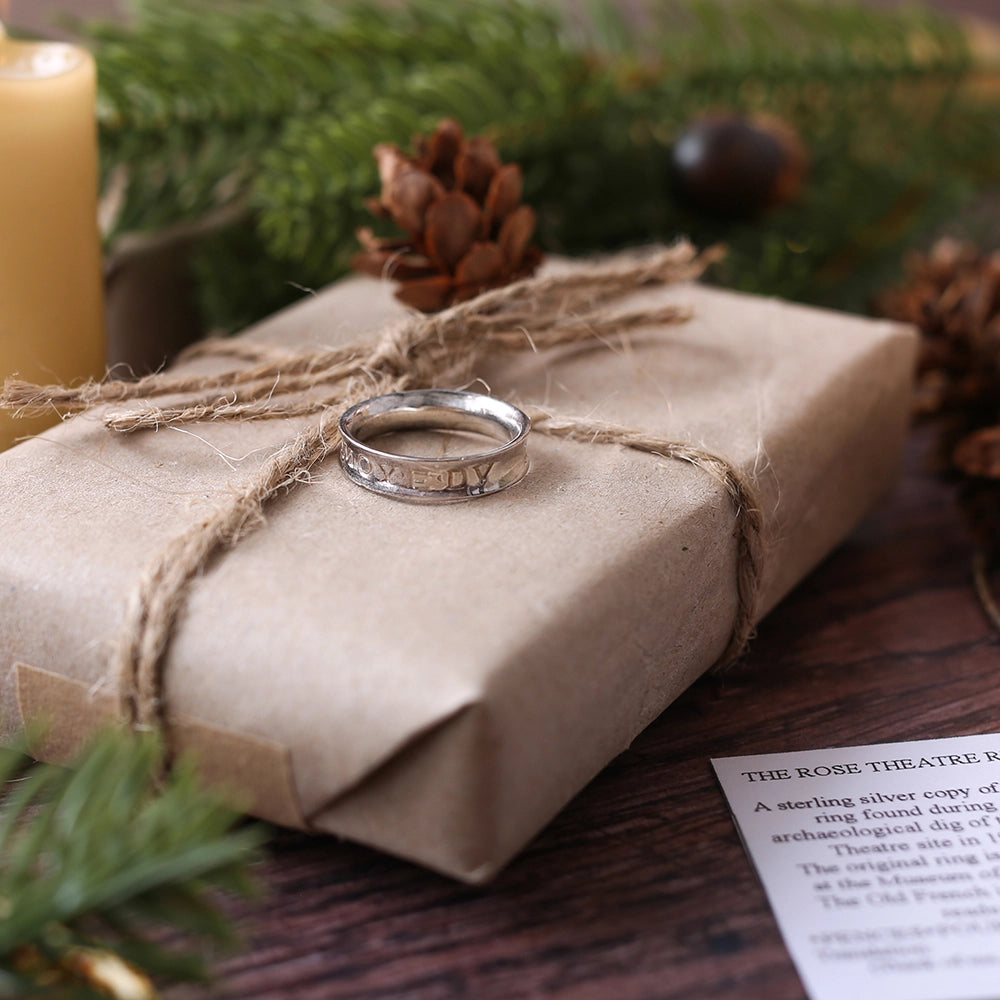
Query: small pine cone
x=952, y=295
x=460, y=209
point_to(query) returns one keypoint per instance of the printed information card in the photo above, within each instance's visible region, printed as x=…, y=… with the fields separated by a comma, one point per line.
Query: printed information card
x=881, y=863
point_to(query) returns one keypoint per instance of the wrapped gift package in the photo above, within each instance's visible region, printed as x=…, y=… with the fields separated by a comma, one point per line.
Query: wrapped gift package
x=438, y=680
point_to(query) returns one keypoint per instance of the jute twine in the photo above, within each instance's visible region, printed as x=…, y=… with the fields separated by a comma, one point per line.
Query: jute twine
x=442, y=351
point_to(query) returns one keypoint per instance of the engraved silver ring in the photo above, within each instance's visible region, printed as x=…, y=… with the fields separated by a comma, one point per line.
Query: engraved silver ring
x=434, y=479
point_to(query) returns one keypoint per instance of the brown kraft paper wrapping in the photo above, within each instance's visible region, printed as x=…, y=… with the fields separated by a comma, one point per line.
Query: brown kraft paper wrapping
x=438, y=681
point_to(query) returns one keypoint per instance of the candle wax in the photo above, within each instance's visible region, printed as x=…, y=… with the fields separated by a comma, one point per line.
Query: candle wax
x=51, y=297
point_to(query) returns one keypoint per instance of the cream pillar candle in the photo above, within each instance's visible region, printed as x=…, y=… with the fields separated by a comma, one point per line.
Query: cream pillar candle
x=51, y=298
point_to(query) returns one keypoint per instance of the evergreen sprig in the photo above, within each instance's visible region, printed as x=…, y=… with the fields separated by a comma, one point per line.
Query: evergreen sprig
x=107, y=856
x=276, y=110
x=192, y=92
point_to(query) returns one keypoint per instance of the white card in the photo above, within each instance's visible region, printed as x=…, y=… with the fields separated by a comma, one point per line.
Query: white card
x=881, y=863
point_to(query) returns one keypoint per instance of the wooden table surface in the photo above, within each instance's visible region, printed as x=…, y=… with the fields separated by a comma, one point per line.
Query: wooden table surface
x=640, y=889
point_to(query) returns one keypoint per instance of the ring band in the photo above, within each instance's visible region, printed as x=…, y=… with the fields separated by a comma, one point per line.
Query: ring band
x=432, y=480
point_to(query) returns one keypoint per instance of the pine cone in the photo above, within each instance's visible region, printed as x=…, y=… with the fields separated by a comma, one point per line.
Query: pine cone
x=953, y=296
x=460, y=208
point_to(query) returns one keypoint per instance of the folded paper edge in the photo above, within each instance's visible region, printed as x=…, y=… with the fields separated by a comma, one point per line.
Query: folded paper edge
x=443, y=787
x=71, y=713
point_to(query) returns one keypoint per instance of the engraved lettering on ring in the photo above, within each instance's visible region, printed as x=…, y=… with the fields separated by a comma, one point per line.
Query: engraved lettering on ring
x=482, y=471
x=398, y=476
x=437, y=478
x=423, y=477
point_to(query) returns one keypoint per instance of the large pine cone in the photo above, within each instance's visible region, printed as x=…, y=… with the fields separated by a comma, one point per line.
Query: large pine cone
x=952, y=295
x=460, y=208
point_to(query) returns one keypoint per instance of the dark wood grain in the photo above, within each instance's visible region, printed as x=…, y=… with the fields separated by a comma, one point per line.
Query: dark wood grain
x=640, y=888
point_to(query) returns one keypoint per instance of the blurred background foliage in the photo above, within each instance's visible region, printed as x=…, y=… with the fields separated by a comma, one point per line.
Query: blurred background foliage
x=247, y=126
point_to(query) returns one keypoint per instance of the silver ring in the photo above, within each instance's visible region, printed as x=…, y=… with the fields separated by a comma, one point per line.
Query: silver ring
x=426, y=479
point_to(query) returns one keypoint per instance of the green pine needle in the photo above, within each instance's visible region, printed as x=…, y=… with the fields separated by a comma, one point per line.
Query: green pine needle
x=106, y=855
x=211, y=103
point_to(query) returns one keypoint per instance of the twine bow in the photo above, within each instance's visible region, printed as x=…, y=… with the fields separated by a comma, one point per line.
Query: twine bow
x=441, y=350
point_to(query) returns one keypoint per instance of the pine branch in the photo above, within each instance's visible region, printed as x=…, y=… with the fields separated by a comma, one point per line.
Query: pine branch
x=285, y=118
x=193, y=92
x=596, y=148
x=784, y=39
x=100, y=857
